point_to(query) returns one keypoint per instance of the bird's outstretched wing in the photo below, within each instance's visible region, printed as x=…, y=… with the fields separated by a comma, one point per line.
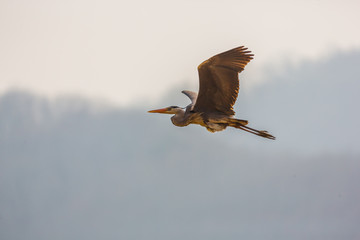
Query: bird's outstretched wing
x=219, y=81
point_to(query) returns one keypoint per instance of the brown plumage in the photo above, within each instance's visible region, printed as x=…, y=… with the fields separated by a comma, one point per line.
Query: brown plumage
x=219, y=80
x=212, y=107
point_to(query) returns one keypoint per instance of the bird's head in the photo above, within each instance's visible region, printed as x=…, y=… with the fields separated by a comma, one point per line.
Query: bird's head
x=167, y=110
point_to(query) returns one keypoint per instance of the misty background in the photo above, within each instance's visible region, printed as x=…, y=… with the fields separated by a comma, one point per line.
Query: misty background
x=73, y=168
x=80, y=157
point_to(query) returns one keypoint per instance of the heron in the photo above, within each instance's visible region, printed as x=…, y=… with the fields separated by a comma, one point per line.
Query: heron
x=212, y=106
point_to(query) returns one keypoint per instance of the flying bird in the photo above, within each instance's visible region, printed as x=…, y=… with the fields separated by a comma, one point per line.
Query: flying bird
x=212, y=106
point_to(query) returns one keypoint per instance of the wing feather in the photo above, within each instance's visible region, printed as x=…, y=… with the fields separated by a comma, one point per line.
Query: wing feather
x=193, y=96
x=219, y=81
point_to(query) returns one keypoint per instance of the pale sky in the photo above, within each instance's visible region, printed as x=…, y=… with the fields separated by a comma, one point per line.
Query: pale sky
x=130, y=52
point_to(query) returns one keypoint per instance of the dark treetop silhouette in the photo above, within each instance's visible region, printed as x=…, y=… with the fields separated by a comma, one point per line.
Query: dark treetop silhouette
x=219, y=86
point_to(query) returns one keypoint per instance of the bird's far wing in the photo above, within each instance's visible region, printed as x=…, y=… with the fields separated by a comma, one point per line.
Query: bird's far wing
x=219, y=81
x=192, y=95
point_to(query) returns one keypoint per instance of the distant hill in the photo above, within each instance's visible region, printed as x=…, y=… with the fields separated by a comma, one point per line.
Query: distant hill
x=311, y=107
x=74, y=169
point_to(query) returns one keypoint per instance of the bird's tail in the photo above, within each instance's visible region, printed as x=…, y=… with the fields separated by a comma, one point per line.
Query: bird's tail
x=240, y=124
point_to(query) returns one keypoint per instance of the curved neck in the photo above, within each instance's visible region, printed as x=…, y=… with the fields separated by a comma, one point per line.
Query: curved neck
x=179, y=119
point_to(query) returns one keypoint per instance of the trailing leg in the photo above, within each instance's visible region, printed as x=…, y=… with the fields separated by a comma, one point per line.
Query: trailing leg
x=237, y=123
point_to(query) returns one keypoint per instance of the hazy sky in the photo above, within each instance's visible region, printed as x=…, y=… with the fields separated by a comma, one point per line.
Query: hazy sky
x=129, y=52
x=67, y=172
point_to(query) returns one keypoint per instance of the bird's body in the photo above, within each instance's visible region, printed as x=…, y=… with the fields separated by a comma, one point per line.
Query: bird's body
x=212, y=107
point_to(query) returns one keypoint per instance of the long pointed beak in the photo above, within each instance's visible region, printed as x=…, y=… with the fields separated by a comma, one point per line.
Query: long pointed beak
x=161, y=110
